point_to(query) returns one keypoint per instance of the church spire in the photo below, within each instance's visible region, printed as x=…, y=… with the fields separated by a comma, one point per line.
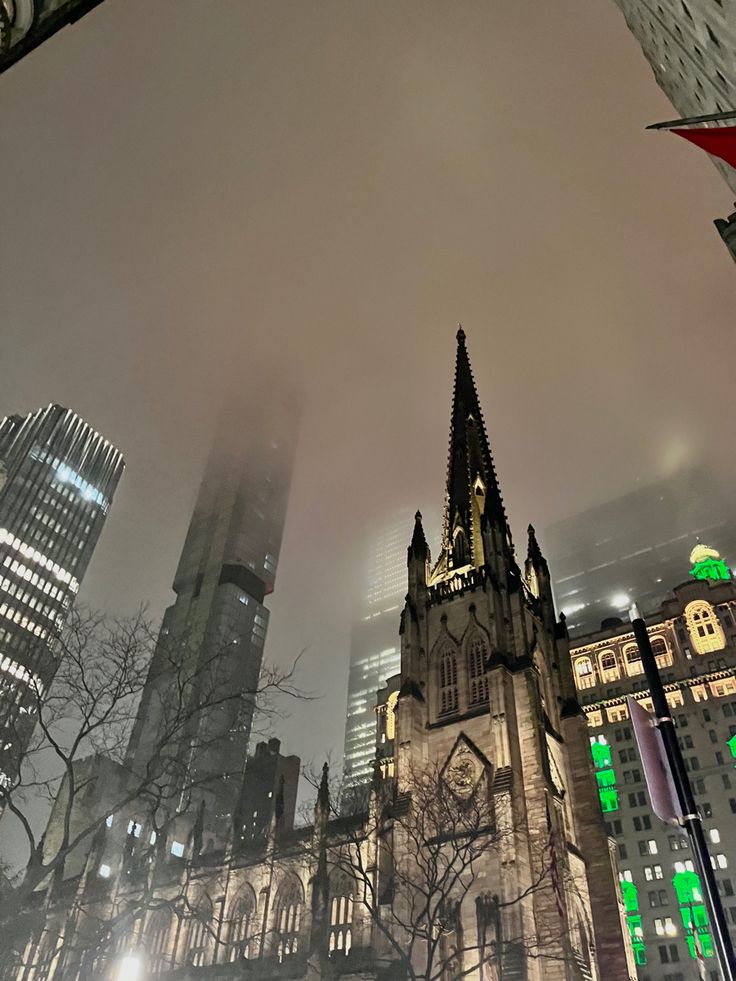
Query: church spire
x=472, y=487
x=534, y=552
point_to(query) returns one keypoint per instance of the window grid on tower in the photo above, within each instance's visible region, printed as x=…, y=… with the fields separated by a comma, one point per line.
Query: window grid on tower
x=448, y=681
x=478, y=682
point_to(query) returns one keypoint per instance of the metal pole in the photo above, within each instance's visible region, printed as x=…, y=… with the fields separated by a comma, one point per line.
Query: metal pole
x=691, y=818
x=714, y=117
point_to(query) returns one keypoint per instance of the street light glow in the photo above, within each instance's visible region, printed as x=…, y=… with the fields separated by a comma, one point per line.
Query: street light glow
x=130, y=968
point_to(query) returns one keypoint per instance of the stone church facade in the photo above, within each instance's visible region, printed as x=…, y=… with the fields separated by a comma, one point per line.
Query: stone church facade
x=479, y=852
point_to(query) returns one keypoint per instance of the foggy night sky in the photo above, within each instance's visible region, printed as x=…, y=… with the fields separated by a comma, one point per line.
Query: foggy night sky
x=193, y=190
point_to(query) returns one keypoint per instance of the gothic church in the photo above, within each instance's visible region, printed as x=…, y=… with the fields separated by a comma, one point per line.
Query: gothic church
x=479, y=852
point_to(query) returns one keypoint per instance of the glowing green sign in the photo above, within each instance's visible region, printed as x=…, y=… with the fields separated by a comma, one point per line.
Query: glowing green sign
x=708, y=564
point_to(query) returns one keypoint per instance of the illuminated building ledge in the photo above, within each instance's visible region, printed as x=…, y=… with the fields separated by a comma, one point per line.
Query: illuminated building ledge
x=641, y=696
x=622, y=634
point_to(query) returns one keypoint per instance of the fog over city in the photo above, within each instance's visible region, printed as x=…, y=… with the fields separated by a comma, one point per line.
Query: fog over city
x=199, y=195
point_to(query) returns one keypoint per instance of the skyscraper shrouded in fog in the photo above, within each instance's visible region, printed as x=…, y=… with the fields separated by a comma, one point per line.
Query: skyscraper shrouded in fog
x=630, y=549
x=374, y=646
x=217, y=624
x=690, y=46
x=57, y=481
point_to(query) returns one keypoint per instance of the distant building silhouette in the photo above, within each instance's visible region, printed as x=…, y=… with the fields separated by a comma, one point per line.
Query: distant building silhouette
x=268, y=794
x=57, y=481
x=226, y=569
x=634, y=548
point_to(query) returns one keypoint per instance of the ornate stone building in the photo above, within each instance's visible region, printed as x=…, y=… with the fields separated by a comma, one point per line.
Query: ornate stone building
x=693, y=636
x=480, y=851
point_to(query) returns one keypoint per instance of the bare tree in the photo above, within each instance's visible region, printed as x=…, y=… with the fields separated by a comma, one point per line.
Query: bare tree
x=425, y=850
x=76, y=763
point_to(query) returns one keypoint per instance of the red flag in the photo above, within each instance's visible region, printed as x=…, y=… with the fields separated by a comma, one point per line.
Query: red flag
x=720, y=141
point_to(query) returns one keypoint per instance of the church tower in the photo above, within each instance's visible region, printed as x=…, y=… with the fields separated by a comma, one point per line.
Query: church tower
x=486, y=695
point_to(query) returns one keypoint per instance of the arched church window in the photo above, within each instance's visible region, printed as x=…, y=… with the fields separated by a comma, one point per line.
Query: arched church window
x=158, y=933
x=448, y=681
x=47, y=952
x=391, y=702
x=341, y=916
x=199, y=933
x=584, y=674
x=609, y=666
x=633, y=659
x=241, y=922
x=459, y=549
x=287, y=917
x=705, y=630
x=477, y=680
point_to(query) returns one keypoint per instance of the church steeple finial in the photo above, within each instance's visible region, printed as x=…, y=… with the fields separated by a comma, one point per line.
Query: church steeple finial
x=418, y=548
x=534, y=552
x=472, y=486
x=323, y=793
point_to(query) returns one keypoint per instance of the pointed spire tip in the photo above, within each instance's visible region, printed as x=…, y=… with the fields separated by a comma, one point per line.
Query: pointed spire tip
x=460, y=334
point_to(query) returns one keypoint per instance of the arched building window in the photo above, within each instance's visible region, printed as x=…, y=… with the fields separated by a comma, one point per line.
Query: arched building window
x=477, y=680
x=47, y=952
x=199, y=933
x=705, y=630
x=241, y=923
x=448, y=681
x=661, y=652
x=633, y=659
x=459, y=549
x=609, y=666
x=158, y=933
x=287, y=917
x=341, y=915
x=391, y=702
x=584, y=674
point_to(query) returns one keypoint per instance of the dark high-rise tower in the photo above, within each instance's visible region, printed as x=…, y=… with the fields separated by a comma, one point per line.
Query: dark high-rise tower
x=57, y=480
x=217, y=625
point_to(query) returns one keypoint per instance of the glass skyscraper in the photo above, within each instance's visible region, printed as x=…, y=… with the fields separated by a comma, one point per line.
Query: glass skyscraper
x=57, y=480
x=216, y=628
x=375, y=653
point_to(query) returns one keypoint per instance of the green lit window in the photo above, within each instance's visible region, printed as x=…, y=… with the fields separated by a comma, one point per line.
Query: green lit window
x=693, y=912
x=604, y=774
x=633, y=919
